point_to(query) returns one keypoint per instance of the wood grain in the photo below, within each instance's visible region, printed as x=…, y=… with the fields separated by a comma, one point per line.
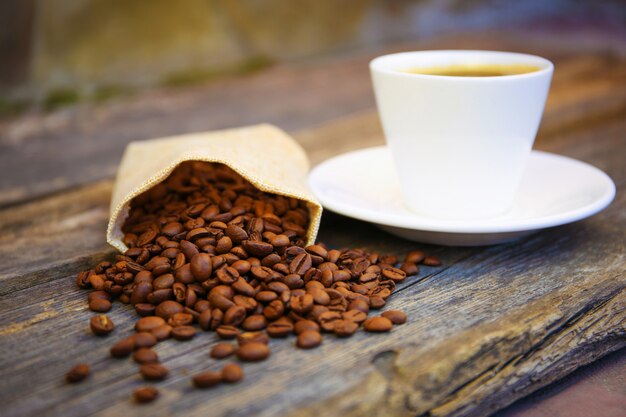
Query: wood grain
x=491, y=326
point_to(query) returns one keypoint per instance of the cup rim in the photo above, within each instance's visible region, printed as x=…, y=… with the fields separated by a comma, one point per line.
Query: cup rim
x=380, y=64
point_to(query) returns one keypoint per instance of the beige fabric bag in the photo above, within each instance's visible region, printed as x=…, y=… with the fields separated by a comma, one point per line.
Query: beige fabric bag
x=263, y=154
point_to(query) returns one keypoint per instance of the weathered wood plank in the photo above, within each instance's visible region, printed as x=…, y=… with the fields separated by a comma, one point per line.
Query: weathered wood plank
x=517, y=316
x=302, y=95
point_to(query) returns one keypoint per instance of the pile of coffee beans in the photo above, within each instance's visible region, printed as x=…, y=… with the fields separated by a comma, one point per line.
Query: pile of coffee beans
x=208, y=251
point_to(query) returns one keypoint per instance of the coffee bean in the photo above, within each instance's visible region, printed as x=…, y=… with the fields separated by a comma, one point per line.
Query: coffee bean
x=205, y=320
x=254, y=322
x=396, y=316
x=360, y=305
x=100, y=305
x=101, y=325
x=227, y=331
x=303, y=325
x=232, y=373
x=222, y=350
x=144, y=339
x=146, y=324
x=123, y=348
x=162, y=332
x=415, y=256
x=257, y=248
x=78, y=373
x=345, y=328
x=356, y=316
x=235, y=315
x=153, y=371
x=377, y=302
x=253, y=337
x=145, y=309
x=309, y=339
x=252, y=352
x=180, y=319
x=394, y=274
x=145, y=355
x=410, y=268
x=207, y=379
x=377, y=324
x=201, y=267
x=279, y=329
x=168, y=308
x=145, y=394
x=236, y=233
x=431, y=261
x=183, y=332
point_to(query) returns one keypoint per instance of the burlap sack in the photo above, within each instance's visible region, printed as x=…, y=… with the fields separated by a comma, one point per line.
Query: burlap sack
x=263, y=154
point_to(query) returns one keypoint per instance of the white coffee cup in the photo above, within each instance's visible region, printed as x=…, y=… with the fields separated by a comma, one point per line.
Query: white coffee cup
x=460, y=144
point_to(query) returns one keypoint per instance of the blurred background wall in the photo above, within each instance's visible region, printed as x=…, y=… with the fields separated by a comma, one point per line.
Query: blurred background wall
x=56, y=52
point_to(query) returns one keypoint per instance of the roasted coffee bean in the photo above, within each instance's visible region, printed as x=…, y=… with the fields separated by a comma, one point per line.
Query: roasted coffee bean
x=234, y=316
x=183, y=332
x=415, y=257
x=257, y=248
x=300, y=264
x=232, y=373
x=359, y=304
x=100, y=305
x=236, y=233
x=168, y=308
x=228, y=275
x=145, y=355
x=309, y=339
x=410, y=268
x=253, y=351
x=302, y=304
x=207, y=379
x=396, y=316
x=227, y=331
x=162, y=332
x=78, y=373
x=377, y=302
x=180, y=319
x=145, y=394
x=431, y=261
x=123, y=348
x=153, y=371
x=253, y=337
x=377, y=324
x=254, y=322
x=144, y=339
x=216, y=318
x=101, y=325
x=205, y=320
x=356, y=316
x=327, y=320
x=279, y=329
x=274, y=310
x=394, y=274
x=201, y=267
x=303, y=325
x=222, y=350
x=146, y=324
x=345, y=328
x=145, y=309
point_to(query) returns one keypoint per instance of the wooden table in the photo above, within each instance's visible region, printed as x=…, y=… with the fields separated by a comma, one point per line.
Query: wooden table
x=490, y=326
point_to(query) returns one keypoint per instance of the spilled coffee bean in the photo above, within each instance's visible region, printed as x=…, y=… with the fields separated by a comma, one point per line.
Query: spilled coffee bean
x=78, y=373
x=208, y=251
x=145, y=394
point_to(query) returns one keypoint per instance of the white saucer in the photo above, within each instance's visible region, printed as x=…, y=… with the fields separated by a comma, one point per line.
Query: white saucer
x=555, y=190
